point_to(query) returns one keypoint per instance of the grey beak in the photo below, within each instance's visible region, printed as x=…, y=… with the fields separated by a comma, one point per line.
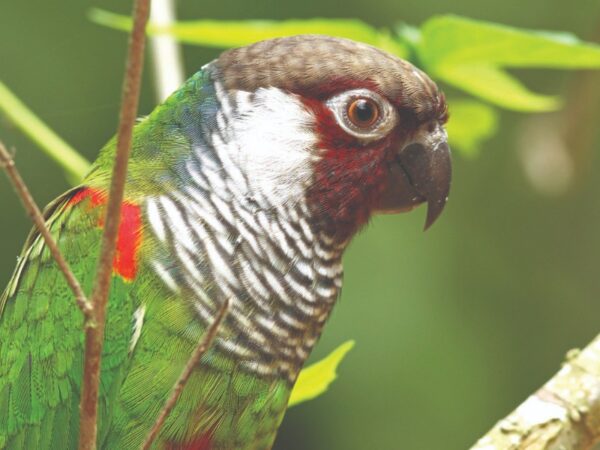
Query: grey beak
x=429, y=171
x=420, y=172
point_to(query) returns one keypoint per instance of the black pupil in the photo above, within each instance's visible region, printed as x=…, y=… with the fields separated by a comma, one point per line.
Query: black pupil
x=364, y=110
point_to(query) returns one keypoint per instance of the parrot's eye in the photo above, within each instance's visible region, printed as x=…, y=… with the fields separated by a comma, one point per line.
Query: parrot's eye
x=363, y=113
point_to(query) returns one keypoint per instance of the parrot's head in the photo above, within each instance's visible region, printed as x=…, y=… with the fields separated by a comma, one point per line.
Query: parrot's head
x=345, y=127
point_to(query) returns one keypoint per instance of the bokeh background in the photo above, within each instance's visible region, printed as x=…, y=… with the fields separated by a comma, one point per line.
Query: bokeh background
x=454, y=327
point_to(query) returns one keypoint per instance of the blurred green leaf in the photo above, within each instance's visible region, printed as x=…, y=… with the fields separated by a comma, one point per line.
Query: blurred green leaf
x=74, y=165
x=316, y=378
x=470, y=55
x=464, y=53
x=452, y=40
x=497, y=87
x=225, y=34
x=471, y=123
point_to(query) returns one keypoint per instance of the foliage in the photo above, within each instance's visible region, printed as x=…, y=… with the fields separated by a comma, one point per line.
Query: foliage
x=315, y=379
x=466, y=54
x=224, y=34
x=471, y=56
x=74, y=165
x=471, y=123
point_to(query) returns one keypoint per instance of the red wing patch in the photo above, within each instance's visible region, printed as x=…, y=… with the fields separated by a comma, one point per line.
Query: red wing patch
x=129, y=238
x=96, y=197
x=203, y=443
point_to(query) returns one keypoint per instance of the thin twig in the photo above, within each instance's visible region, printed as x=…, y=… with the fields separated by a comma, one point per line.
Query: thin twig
x=204, y=344
x=7, y=162
x=94, y=335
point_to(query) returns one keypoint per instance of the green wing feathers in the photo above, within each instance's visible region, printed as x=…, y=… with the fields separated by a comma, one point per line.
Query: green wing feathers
x=41, y=338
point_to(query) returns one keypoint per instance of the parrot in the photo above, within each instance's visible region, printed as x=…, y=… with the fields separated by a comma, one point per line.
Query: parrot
x=245, y=186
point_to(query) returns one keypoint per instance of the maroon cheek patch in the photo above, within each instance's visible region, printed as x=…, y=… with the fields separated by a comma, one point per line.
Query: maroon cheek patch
x=346, y=176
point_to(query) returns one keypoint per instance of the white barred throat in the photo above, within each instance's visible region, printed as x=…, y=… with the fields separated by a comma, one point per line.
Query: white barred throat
x=240, y=228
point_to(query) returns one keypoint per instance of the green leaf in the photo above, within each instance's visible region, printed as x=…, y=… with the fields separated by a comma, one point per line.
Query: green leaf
x=497, y=87
x=315, y=379
x=471, y=55
x=230, y=33
x=471, y=123
x=451, y=40
x=74, y=165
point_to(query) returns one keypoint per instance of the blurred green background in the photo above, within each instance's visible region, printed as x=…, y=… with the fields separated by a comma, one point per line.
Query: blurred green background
x=454, y=327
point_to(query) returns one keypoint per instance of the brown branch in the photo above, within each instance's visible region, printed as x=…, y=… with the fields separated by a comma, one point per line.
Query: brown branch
x=204, y=344
x=563, y=414
x=94, y=332
x=6, y=161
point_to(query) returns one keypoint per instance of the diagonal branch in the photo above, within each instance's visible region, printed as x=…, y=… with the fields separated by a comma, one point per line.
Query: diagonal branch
x=94, y=333
x=201, y=349
x=36, y=215
x=563, y=414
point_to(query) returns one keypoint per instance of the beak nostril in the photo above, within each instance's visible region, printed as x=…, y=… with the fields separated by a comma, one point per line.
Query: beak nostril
x=413, y=162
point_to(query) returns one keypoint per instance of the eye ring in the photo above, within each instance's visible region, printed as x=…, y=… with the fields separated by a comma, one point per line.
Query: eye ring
x=363, y=112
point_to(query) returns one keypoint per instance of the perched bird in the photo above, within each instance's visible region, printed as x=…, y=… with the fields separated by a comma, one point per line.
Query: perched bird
x=246, y=185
